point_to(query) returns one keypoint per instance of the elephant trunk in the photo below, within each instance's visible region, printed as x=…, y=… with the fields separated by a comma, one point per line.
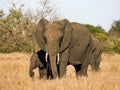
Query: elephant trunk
x=31, y=73
x=53, y=64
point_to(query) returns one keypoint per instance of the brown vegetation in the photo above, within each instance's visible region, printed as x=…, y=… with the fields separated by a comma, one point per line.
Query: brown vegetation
x=14, y=75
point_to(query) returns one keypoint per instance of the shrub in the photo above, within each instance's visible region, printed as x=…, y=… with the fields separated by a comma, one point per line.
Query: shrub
x=116, y=45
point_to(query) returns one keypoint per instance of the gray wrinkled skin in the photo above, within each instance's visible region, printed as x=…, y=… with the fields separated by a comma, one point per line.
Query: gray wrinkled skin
x=96, y=52
x=36, y=63
x=72, y=41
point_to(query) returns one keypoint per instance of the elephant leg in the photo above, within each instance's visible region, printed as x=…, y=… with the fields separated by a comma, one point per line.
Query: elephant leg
x=42, y=72
x=86, y=61
x=82, y=69
x=77, y=69
x=97, y=61
x=93, y=63
x=63, y=63
x=62, y=66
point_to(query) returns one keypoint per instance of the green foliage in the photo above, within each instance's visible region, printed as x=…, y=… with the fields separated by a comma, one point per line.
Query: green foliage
x=116, y=26
x=5, y=49
x=115, y=30
x=16, y=32
x=116, y=45
x=98, y=32
x=95, y=29
x=108, y=44
x=16, y=28
x=23, y=47
x=26, y=47
x=114, y=35
x=102, y=37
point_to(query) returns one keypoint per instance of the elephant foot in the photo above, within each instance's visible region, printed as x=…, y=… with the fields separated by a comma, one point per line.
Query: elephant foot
x=43, y=77
x=96, y=69
x=33, y=78
x=31, y=74
x=81, y=73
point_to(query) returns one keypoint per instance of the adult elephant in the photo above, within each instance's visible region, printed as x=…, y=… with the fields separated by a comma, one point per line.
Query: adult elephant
x=96, y=54
x=70, y=42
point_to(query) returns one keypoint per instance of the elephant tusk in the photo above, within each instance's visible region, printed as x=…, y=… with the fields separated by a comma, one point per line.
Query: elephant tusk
x=46, y=57
x=58, y=58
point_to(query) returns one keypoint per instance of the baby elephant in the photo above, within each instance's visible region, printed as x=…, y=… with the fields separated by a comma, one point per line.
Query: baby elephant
x=96, y=53
x=38, y=60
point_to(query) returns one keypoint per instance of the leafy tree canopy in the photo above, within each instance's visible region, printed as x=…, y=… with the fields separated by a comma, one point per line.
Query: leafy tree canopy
x=114, y=32
x=98, y=32
x=95, y=29
x=116, y=26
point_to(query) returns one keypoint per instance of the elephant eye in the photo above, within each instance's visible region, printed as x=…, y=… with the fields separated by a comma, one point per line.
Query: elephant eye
x=60, y=40
x=44, y=37
x=45, y=40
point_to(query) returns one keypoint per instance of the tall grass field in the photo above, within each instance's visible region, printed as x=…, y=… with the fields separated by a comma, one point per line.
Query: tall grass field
x=14, y=75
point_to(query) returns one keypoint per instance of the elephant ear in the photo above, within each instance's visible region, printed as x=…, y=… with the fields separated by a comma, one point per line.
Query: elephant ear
x=39, y=33
x=67, y=30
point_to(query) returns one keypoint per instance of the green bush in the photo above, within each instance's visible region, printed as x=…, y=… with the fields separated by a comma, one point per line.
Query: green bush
x=107, y=46
x=5, y=49
x=27, y=47
x=116, y=45
x=16, y=32
x=23, y=47
x=117, y=49
x=95, y=29
x=102, y=37
x=112, y=46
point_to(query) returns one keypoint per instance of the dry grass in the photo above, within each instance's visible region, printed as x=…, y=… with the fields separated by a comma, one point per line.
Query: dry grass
x=14, y=75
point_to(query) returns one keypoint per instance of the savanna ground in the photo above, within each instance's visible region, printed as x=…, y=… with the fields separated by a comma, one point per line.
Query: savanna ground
x=14, y=75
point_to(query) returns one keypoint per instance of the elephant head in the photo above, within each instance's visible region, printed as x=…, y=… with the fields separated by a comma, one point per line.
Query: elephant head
x=53, y=38
x=34, y=63
x=37, y=60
